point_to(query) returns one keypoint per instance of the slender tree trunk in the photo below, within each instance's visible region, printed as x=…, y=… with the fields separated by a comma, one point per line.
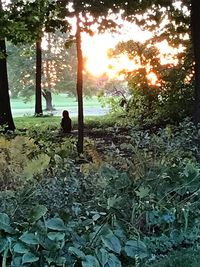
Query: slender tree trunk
x=38, y=90
x=47, y=92
x=79, y=88
x=5, y=108
x=195, y=12
x=48, y=98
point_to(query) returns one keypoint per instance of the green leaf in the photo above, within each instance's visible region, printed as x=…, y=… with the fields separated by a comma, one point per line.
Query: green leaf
x=29, y=258
x=77, y=252
x=5, y=223
x=56, y=236
x=29, y=238
x=56, y=224
x=103, y=256
x=113, y=201
x=16, y=262
x=113, y=261
x=90, y=261
x=96, y=217
x=142, y=192
x=136, y=247
x=3, y=244
x=60, y=261
x=20, y=248
x=176, y=236
x=111, y=242
x=37, y=212
x=123, y=182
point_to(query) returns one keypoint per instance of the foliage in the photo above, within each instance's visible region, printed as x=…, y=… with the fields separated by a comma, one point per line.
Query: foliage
x=21, y=159
x=127, y=205
x=183, y=258
x=40, y=241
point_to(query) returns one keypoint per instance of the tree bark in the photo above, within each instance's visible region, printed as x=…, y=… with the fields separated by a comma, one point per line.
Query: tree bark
x=79, y=88
x=5, y=108
x=47, y=92
x=195, y=12
x=38, y=89
x=48, y=98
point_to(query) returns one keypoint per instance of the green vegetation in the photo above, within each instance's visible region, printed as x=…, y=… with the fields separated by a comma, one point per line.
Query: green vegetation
x=129, y=200
x=53, y=122
x=121, y=190
x=183, y=258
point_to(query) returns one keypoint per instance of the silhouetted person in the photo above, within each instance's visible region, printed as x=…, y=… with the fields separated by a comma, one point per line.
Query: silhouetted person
x=66, y=122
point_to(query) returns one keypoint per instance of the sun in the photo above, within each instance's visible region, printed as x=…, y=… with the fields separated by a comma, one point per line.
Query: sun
x=98, y=63
x=95, y=52
x=96, y=47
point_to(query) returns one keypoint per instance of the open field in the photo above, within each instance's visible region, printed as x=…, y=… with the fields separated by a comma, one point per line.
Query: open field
x=60, y=102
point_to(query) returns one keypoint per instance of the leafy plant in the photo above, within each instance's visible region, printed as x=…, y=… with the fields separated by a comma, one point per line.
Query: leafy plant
x=20, y=160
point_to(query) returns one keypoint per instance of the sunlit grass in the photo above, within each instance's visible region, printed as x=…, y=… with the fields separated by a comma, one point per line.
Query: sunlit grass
x=61, y=100
x=54, y=121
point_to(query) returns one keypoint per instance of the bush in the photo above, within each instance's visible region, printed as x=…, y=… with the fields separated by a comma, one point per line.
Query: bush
x=20, y=160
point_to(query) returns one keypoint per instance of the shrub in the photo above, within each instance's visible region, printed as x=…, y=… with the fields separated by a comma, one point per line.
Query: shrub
x=20, y=160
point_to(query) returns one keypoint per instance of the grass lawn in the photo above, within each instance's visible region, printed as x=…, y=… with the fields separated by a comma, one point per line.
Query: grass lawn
x=23, y=112
x=60, y=102
x=54, y=121
x=28, y=121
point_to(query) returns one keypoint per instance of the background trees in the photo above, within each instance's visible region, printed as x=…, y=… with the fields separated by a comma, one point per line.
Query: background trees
x=168, y=21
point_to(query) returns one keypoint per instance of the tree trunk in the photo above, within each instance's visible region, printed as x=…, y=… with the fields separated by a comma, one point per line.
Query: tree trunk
x=47, y=92
x=48, y=98
x=5, y=108
x=79, y=87
x=38, y=90
x=195, y=11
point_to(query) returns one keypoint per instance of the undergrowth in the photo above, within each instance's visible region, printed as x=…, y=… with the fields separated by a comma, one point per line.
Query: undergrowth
x=131, y=205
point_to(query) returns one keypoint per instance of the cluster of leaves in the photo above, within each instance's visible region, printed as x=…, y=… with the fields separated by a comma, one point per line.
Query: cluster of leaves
x=53, y=242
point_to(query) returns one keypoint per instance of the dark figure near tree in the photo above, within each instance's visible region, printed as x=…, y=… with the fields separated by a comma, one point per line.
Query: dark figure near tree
x=66, y=122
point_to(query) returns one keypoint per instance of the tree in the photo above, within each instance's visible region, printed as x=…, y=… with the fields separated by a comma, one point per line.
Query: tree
x=41, y=13
x=28, y=17
x=37, y=16
x=87, y=14
x=38, y=88
x=5, y=108
x=195, y=11
x=79, y=86
x=47, y=72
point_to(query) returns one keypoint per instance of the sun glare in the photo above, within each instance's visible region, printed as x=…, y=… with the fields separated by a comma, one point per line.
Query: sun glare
x=98, y=63
x=95, y=50
x=168, y=53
